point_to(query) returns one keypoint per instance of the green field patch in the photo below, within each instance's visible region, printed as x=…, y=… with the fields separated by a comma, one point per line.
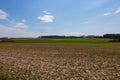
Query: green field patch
x=4, y=77
x=64, y=41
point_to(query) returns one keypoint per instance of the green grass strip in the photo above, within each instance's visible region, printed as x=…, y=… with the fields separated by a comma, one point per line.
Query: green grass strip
x=4, y=77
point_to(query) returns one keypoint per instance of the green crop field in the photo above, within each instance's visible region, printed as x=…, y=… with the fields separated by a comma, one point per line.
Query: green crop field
x=72, y=41
x=64, y=41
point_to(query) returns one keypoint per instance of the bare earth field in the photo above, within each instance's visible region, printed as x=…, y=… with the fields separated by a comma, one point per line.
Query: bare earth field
x=60, y=62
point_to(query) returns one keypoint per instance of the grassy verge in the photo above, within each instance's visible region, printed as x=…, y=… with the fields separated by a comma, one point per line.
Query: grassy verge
x=4, y=77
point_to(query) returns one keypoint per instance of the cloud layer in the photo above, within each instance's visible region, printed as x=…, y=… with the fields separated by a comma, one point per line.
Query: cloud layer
x=13, y=32
x=3, y=14
x=21, y=25
x=16, y=30
x=47, y=17
x=117, y=11
x=112, y=12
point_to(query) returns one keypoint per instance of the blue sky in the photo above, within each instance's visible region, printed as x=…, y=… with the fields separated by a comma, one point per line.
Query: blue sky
x=28, y=18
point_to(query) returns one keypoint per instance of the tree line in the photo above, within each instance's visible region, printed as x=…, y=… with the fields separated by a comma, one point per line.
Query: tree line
x=114, y=37
x=57, y=36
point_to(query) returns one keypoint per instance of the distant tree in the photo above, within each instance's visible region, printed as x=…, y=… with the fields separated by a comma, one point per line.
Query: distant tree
x=52, y=36
x=115, y=37
x=57, y=36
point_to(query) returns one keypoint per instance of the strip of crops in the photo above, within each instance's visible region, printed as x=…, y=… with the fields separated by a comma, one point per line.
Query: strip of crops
x=64, y=41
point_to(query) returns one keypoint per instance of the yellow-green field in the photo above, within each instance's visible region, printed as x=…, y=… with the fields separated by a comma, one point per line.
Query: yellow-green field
x=43, y=61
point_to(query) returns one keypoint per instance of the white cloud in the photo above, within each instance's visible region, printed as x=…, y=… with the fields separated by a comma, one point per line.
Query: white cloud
x=46, y=18
x=46, y=12
x=13, y=32
x=107, y=14
x=3, y=14
x=117, y=11
x=112, y=12
x=21, y=25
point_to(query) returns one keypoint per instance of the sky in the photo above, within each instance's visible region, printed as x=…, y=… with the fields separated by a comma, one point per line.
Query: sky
x=33, y=18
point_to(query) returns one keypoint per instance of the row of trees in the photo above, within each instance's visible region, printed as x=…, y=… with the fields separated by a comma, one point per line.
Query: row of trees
x=56, y=36
x=115, y=37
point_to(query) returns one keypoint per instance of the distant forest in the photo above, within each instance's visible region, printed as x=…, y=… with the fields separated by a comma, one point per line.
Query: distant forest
x=115, y=37
x=56, y=36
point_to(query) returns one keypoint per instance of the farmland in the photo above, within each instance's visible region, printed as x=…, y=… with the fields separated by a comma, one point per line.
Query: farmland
x=63, y=41
x=60, y=59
